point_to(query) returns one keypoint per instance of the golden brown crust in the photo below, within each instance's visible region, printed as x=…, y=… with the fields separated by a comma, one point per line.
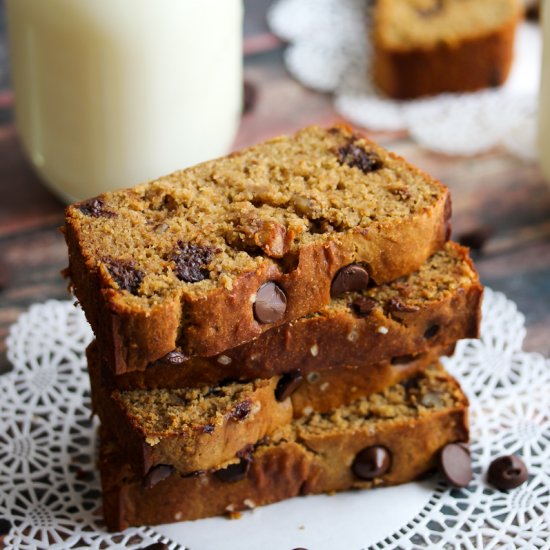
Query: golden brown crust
x=208, y=323
x=476, y=62
x=325, y=339
x=283, y=469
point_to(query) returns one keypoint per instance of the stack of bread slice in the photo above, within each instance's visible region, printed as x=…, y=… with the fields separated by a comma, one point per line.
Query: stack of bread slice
x=269, y=325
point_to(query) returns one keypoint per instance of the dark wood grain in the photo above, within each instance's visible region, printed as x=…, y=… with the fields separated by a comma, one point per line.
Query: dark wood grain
x=493, y=190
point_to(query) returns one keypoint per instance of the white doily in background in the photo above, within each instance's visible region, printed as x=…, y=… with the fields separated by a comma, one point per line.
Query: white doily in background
x=329, y=52
x=49, y=488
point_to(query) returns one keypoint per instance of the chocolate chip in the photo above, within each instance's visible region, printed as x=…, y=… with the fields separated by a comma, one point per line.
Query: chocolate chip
x=507, y=472
x=456, y=465
x=5, y=527
x=191, y=261
x=270, y=304
x=431, y=331
x=476, y=239
x=288, y=384
x=155, y=546
x=241, y=410
x=362, y=306
x=351, y=278
x=371, y=462
x=250, y=95
x=355, y=156
x=126, y=276
x=234, y=472
x=156, y=474
x=174, y=357
x=95, y=208
x=395, y=304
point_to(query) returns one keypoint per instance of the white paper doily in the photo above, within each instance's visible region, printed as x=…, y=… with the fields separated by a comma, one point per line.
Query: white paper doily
x=329, y=52
x=49, y=488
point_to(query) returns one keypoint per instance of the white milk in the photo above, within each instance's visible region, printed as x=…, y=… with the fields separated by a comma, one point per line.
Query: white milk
x=544, y=100
x=110, y=93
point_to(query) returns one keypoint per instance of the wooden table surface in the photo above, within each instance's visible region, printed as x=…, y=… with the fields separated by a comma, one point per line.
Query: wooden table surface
x=495, y=191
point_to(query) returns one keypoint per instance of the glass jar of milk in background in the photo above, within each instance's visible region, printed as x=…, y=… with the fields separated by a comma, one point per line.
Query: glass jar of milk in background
x=544, y=98
x=111, y=93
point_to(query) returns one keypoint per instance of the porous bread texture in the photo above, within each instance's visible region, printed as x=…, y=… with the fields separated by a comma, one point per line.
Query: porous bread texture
x=429, y=309
x=313, y=455
x=425, y=47
x=147, y=263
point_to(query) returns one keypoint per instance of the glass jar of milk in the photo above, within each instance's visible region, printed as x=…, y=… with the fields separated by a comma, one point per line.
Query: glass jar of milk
x=544, y=98
x=111, y=93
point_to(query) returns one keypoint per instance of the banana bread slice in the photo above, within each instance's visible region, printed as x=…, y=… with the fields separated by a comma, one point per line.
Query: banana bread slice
x=385, y=439
x=322, y=390
x=211, y=257
x=430, y=309
x=192, y=429
x=426, y=47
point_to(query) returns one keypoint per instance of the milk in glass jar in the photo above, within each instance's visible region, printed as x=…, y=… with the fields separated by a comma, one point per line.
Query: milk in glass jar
x=110, y=93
